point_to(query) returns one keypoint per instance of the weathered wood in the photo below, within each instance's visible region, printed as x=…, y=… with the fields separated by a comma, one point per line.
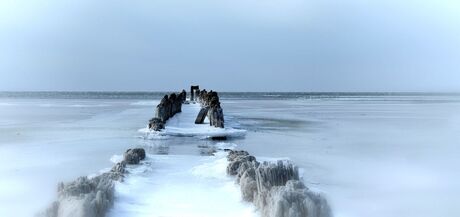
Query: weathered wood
x=168, y=107
x=156, y=124
x=201, y=115
x=183, y=96
x=193, y=88
x=172, y=104
x=215, y=113
x=216, y=117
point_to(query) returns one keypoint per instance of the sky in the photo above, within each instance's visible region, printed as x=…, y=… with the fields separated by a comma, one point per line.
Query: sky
x=230, y=45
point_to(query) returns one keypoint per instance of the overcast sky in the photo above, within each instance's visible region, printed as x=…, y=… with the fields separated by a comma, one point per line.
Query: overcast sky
x=230, y=45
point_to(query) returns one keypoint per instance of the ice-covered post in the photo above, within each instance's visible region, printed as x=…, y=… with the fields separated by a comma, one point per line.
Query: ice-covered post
x=215, y=112
x=168, y=107
x=192, y=92
x=211, y=108
x=183, y=96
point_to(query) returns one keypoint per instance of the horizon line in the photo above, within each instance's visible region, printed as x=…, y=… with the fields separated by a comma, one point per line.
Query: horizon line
x=170, y=91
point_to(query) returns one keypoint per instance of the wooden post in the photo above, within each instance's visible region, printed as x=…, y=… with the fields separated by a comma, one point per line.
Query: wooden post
x=192, y=92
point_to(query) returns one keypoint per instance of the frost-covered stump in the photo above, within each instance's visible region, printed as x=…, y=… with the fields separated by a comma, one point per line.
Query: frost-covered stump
x=216, y=116
x=275, y=188
x=215, y=113
x=91, y=197
x=156, y=124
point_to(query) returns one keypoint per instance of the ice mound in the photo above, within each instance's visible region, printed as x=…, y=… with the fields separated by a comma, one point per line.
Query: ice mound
x=275, y=188
x=92, y=196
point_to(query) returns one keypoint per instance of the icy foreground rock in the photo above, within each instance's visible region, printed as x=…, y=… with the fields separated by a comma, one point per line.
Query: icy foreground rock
x=275, y=188
x=91, y=197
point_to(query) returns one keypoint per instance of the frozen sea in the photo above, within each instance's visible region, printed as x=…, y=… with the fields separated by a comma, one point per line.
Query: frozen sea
x=370, y=154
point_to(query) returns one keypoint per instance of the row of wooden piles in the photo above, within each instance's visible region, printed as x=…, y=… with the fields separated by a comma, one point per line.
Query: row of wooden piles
x=172, y=104
x=169, y=106
x=210, y=107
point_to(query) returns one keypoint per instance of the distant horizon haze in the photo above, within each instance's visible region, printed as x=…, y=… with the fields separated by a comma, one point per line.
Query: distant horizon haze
x=237, y=92
x=239, y=45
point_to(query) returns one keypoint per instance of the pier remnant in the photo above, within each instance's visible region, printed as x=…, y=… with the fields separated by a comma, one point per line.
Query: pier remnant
x=163, y=109
x=183, y=96
x=216, y=116
x=172, y=104
x=193, y=94
x=156, y=124
x=201, y=115
x=215, y=113
x=169, y=106
x=275, y=188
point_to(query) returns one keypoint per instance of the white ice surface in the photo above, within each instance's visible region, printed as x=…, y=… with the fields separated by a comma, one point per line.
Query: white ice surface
x=180, y=186
x=183, y=124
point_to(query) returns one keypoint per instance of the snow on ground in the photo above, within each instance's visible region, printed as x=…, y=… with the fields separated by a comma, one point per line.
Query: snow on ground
x=180, y=186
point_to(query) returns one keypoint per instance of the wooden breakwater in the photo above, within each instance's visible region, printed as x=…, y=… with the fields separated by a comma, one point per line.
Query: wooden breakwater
x=210, y=104
x=169, y=106
x=172, y=104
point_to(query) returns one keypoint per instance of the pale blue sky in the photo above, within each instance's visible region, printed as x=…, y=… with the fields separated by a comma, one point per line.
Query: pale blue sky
x=230, y=45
